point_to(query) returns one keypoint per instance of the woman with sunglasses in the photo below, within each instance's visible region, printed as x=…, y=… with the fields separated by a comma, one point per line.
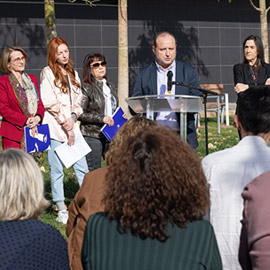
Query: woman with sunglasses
x=20, y=103
x=61, y=93
x=99, y=103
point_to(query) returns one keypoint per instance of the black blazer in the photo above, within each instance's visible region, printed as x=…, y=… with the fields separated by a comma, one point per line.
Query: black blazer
x=242, y=75
x=146, y=84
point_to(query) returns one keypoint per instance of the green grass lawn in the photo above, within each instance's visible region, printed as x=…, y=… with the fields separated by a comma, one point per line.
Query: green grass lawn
x=70, y=185
x=227, y=138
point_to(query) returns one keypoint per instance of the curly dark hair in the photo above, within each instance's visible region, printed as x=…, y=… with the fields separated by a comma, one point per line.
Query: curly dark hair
x=130, y=128
x=155, y=178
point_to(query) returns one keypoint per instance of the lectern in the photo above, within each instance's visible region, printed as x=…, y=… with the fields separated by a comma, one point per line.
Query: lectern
x=182, y=104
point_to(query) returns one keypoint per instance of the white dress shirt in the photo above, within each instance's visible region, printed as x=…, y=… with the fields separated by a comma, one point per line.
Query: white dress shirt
x=228, y=172
x=168, y=119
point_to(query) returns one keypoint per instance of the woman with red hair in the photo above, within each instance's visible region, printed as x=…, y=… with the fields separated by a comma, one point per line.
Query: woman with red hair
x=61, y=94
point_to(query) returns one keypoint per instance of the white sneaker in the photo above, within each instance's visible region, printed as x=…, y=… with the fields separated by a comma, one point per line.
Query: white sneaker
x=62, y=216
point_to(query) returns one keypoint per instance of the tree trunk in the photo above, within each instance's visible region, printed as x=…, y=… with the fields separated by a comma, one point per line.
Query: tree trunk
x=49, y=20
x=122, y=54
x=264, y=30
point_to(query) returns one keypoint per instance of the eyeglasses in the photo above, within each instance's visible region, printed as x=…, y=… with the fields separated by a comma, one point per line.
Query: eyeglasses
x=97, y=65
x=19, y=59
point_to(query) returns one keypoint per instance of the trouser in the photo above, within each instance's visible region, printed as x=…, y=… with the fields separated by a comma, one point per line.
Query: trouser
x=99, y=148
x=57, y=174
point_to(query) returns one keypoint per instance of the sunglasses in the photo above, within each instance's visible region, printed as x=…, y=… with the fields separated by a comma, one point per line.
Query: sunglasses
x=97, y=65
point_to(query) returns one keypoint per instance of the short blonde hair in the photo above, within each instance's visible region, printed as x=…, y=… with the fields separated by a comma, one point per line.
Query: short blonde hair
x=21, y=186
x=5, y=57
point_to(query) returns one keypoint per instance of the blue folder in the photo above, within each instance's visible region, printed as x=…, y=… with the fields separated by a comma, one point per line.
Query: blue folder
x=40, y=142
x=119, y=121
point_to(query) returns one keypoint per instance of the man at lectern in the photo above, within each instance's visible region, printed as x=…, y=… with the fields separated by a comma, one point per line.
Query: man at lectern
x=156, y=79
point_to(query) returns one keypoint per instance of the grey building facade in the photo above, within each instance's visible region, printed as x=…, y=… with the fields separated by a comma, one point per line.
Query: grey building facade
x=209, y=34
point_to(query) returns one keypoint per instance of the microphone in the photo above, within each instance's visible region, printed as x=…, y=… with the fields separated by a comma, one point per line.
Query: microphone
x=169, y=82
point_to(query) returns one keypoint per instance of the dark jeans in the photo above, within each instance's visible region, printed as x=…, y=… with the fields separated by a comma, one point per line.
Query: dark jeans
x=99, y=148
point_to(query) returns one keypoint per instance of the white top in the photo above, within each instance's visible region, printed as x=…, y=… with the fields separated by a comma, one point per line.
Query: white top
x=168, y=119
x=57, y=104
x=107, y=97
x=228, y=172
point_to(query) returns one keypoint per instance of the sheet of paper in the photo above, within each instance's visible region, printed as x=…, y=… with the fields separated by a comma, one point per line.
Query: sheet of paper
x=70, y=154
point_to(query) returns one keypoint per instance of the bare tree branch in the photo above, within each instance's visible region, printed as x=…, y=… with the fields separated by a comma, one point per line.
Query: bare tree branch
x=253, y=5
x=90, y=2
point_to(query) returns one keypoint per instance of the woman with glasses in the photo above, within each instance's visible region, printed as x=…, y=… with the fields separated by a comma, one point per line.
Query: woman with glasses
x=20, y=102
x=61, y=93
x=99, y=103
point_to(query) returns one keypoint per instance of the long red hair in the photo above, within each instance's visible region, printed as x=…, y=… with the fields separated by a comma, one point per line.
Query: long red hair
x=60, y=80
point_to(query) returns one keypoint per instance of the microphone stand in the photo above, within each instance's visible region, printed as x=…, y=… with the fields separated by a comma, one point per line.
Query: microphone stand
x=205, y=93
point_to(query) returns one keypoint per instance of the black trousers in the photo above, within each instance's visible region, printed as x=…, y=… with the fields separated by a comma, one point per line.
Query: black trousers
x=99, y=148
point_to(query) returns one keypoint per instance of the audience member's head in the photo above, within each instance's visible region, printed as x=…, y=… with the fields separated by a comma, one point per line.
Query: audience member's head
x=130, y=128
x=155, y=178
x=21, y=186
x=253, y=111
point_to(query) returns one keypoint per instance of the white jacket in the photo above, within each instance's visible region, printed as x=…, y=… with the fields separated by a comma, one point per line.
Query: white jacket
x=57, y=104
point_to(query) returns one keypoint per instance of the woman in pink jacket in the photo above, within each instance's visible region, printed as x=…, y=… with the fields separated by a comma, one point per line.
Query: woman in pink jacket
x=61, y=94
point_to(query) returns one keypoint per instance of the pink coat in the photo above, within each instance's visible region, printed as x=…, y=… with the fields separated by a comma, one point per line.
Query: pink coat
x=254, y=251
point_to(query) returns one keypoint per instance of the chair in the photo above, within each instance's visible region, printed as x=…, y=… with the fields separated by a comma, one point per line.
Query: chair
x=218, y=104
